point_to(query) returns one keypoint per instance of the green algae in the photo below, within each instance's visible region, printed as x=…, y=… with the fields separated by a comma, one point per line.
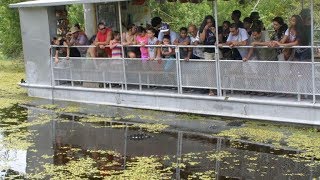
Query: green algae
x=153, y=128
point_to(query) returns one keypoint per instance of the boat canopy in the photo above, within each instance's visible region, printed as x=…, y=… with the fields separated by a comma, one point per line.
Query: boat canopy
x=44, y=3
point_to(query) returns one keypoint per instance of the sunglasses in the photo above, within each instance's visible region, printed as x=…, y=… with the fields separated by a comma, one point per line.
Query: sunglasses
x=102, y=29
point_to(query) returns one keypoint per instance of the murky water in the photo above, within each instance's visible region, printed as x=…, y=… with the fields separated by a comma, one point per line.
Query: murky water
x=102, y=142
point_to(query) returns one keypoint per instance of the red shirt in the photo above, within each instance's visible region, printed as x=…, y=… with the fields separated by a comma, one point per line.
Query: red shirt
x=102, y=37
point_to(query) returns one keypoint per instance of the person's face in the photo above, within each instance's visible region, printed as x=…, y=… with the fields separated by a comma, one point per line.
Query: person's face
x=183, y=33
x=117, y=37
x=56, y=42
x=209, y=22
x=142, y=34
x=192, y=30
x=293, y=21
x=150, y=34
x=246, y=25
x=276, y=25
x=256, y=35
x=75, y=35
x=233, y=17
x=133, y=29
x=225, y=26
x=102, y=28
x=166, y=41
x=234, y=31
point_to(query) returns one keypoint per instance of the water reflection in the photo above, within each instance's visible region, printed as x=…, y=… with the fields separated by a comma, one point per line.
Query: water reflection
x=178, y=152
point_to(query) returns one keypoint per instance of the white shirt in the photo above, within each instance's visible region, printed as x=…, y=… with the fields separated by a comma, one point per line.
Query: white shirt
x=242, y=36
x=173, y=36
x=196, y=51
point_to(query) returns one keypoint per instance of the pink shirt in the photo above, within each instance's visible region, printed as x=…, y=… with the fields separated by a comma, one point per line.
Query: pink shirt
x=143, y=50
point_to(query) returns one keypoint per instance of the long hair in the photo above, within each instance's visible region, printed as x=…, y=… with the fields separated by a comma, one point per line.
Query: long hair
x=283, y=26
x=298, y=27
x=204, y=22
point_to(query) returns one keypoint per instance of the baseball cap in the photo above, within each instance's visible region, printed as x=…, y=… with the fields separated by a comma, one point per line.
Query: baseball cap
x=164, y=27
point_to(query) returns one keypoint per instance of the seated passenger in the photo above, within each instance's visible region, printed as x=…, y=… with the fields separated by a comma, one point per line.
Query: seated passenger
x=247, y=24
x=60, y=51
x=79, y=38
x=184, y=39
x=102, y=42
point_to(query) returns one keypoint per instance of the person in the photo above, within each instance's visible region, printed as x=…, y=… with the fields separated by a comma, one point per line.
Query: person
x=156, y=24
x=115, y=45
x=294, y=36
x=142, y=39
x=60, y=51
x=184, y=39
x=306, y=19
x=103, y=40
x=238, y=37
x=280, y=28
x=258, y=39
x=167, y=52
x=152, y=40
x=224, y=31
x=207, y=36
x=254, y=16
x=79, y=38
x=165, y=30
x=235, y=16
x=129, y=38
x=247, y=24
x=197, y=53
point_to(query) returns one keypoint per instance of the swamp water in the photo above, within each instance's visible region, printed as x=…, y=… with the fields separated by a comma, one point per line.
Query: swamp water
x=75, y=141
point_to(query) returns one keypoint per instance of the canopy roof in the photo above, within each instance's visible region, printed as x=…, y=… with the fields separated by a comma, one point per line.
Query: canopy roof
x=42, y=3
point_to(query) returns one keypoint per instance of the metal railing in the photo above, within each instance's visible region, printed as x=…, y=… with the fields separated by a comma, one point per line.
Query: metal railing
x=289, y=77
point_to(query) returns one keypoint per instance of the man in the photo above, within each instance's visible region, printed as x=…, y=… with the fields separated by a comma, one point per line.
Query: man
x=102, y=40
x=156, y=23
x=247, y=24
x=197, y=53
x=235, y=16
x=79, y=38
x=238, y=37
x=165, y=30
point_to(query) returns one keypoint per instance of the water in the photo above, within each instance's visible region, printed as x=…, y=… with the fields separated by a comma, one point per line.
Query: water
x=65, y=145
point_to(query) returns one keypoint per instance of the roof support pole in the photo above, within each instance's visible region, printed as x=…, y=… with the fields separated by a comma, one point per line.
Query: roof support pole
x=312, y=53
x=219, y=93
x=89, y=19
x=122, y=49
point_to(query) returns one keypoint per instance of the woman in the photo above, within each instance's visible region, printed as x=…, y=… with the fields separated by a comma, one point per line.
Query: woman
x=294, y=36
x=129, y=38
x=208, y=37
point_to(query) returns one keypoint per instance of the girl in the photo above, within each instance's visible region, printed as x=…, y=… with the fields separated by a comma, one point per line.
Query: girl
x=142, y=39
x=152, y=40
x=115, y=42
x=184, y=39
x=60, y=51
x=167, y=53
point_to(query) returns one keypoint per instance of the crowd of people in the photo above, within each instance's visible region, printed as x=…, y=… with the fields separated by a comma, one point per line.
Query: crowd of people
x=231, y=36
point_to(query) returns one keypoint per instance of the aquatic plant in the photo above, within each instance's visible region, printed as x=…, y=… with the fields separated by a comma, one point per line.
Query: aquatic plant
x=153, y=128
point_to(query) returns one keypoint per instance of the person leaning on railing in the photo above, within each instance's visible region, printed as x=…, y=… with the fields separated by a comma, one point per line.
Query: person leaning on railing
x=237, y=37
x=79, y=38
x=102, y=42
x=60, y=51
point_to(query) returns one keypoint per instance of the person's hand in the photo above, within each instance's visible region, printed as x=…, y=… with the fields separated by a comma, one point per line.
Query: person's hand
x=196, y=43
x=186, y=59
x=159, y=60
x=56, y=60
x=254, y=44
x=245, y=59
x=67, y=57
x=101, y=46
x=151, y=59
x=207, y=27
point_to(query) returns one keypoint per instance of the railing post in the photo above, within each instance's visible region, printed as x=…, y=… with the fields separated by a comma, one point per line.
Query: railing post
x=312, y=54
x=219, y=93
x=122, y=49
x=52, y=73
x=178, y=64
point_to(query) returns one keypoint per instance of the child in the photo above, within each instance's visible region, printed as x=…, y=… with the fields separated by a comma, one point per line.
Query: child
x=115, y=42
x=184, y=39
x=142, y=39
x=152, y=40
x=167, y=52
x=60, y=51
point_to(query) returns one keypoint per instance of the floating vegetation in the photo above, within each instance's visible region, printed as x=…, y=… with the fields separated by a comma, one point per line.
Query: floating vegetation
x=203, y=175
x=218, y=156
x=69, y=109
x=95, y=119
x=10, y=93
x=83, y=168
x=143, y=168
x=49, y=106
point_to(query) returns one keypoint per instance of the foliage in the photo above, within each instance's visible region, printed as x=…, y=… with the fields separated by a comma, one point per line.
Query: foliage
x=10, y=36
x=75, y=14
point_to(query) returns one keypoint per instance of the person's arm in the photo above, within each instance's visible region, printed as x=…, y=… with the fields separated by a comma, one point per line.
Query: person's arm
x=108, y=38
x=294, y=43
x=202, y=35
x=113, y=45
x=189, y=54
x=56, y=57
x=248, y=56
x=176, y=42
x=68, y=50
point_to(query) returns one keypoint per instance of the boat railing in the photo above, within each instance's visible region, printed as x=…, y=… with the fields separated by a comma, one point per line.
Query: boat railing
x=287, y=77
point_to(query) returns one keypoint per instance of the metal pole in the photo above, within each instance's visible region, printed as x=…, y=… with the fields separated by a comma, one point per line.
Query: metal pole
x=178, y=64
x=219, y=93
x=52, y=74
x=122, y=49
x=312, y=54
